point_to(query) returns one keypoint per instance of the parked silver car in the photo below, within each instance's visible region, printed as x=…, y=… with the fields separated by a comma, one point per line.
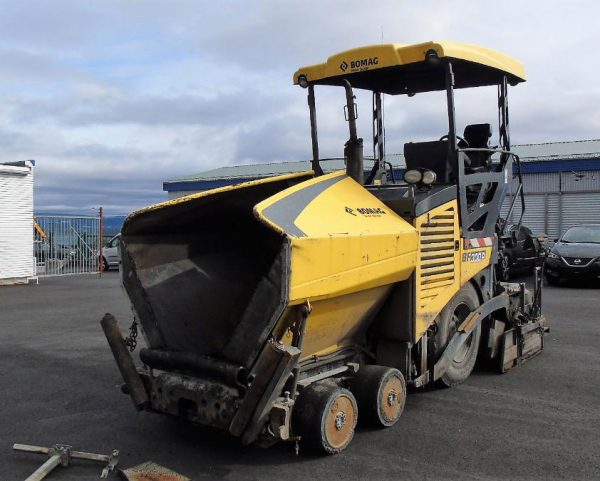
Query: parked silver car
x=110, y=254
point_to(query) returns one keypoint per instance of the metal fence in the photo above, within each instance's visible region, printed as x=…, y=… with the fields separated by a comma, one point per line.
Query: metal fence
x=67, y=244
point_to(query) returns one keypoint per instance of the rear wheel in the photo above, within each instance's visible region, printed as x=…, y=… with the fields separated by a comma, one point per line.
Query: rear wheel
x=104, y=264
x=325, y=417
x=452, y=316
x=503, y=267
x=380, y=393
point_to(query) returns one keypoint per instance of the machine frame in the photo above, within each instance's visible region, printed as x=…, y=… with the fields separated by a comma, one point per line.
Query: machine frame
x=280, y=308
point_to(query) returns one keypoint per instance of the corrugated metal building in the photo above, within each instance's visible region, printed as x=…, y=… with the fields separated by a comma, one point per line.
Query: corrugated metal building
x=17, y=263
x=561, y=182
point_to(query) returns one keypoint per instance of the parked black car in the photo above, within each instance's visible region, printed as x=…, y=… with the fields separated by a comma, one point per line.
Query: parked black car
x=518, y=252
x=576, y=255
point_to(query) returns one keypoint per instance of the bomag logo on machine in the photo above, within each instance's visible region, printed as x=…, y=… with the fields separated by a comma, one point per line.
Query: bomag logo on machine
x=360, y=64
x=366, y=211
x=473, y=256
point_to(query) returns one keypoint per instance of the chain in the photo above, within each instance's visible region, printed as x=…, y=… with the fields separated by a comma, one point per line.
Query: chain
x=131, y=340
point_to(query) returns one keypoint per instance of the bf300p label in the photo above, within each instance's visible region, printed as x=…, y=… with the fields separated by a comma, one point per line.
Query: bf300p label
x=477, y=256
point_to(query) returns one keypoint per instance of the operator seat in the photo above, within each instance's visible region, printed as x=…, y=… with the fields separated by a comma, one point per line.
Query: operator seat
x=478, y=136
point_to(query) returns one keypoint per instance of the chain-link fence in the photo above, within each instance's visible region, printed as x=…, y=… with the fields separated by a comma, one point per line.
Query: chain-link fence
x=66, y=244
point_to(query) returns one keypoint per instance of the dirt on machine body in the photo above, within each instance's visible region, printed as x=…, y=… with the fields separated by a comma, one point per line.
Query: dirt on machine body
x=290, y=307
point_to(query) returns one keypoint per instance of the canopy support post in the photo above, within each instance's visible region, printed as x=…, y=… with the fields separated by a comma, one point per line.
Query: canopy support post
x=451, y=113
x=316, y=166
x=353, y=150
x=503, y=123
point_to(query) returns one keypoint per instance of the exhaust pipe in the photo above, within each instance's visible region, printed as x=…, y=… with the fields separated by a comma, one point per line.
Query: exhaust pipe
x=353, y=150
x=132, y=379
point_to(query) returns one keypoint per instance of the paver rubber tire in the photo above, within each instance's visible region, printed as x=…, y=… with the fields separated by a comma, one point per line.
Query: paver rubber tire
x=380, y=393
x=456, y=311
x=325, y=417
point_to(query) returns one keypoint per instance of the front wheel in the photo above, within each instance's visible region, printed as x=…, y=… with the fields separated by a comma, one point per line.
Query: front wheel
x=325, y=417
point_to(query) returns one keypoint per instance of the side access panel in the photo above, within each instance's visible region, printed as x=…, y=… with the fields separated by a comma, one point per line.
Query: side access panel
x=437, y=276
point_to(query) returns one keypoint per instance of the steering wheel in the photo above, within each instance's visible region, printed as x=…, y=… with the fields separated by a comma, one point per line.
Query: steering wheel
x=465, y=143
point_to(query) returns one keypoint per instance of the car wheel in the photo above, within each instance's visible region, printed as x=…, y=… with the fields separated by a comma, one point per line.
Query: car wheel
x=552, y=280
x=104, y=264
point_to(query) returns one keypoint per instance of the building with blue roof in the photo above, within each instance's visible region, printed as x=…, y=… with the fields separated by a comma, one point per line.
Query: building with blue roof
x=561, y=181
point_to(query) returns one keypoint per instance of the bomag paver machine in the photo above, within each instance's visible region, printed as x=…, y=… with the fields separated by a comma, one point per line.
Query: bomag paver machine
x=290, y=307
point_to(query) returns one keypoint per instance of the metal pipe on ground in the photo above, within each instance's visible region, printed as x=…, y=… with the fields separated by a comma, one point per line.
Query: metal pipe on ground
x=61, y=455
x=45, y=469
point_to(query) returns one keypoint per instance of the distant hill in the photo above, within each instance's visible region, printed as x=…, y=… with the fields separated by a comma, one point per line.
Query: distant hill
x=113, y=224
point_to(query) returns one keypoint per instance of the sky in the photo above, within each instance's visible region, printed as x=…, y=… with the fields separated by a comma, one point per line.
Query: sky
x=112, y=98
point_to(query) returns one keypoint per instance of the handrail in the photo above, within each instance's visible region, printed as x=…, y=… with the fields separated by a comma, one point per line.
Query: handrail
x=507, y=157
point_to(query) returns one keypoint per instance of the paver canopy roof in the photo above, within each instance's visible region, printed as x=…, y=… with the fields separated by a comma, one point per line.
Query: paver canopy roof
x=404, y=69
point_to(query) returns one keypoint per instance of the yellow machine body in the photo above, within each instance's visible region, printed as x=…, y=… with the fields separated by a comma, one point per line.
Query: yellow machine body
x=345, y=265
x=347, y=249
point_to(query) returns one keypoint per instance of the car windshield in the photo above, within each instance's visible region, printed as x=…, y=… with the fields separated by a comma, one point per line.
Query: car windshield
x=113, y=242
x=587, y=234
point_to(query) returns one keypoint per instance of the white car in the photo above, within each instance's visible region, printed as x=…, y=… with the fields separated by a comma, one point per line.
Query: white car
x=111, y=256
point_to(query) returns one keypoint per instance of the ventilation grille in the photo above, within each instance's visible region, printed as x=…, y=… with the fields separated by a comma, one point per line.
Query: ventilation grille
x=436, y=262
x=578, y=261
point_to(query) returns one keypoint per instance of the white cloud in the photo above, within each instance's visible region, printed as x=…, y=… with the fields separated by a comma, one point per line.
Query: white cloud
x=113, y=98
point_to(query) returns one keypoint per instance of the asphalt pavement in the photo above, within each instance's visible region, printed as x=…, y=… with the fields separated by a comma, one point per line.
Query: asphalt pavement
x=59, y=384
